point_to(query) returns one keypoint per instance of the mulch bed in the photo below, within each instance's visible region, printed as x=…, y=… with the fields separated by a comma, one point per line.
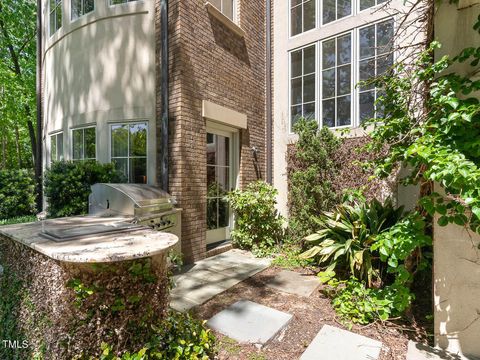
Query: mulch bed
x=309, y=315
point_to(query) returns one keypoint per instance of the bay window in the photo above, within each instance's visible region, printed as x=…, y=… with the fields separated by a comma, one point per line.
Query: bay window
x=302, y=84
x=129, y=150
x=84, y=144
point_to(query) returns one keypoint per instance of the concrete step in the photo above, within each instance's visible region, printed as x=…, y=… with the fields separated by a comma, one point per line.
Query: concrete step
x=417, y=351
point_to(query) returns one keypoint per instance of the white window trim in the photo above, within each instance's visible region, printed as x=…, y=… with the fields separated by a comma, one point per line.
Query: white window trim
x=50, y=136
x=353, y=77
x=96, y=142
x=147, y=157
x=290, y=127
x=317, y=14
x=355, y=105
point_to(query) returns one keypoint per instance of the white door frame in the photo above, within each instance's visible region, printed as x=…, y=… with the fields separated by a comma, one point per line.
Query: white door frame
x=216, y=235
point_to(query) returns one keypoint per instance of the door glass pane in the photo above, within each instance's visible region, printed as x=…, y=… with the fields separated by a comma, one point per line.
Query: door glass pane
x=328, y=118
x=344, y=111
x=121, y=165
x=344, y=8
x=211, y=179
x=119, y=140
x=222, y=180
x=90, y=143
x=212, y=211
x=309, y=15
x=223, y=213
x=328, y=11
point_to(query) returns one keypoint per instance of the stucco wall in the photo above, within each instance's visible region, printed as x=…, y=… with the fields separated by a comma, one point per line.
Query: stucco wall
x=456, y=250
x=101, y=69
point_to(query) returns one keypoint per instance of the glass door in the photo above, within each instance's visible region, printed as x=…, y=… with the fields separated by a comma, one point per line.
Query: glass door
x=220, y=181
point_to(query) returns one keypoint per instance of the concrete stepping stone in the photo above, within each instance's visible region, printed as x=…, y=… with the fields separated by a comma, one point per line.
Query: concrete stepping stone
x=417, y=351
x=249, y=322
x=294, y=283
x=212, y=276
x=332, y=343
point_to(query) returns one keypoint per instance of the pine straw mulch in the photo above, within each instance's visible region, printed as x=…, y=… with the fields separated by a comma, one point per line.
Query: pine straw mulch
x=309, y=315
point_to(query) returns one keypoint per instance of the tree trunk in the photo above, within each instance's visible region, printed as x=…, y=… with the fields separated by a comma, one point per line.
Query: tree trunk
x=17, y=147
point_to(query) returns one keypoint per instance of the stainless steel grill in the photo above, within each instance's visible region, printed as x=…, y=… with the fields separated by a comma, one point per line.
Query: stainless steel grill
x=143, y=204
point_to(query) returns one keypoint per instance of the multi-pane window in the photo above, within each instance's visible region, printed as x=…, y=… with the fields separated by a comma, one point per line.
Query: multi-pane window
x=365, y=4
x=375, y=58
x=226, y=7
x=129, y=151
x=335, y=9
x=84, y=144
x=55, y=16
x=337, y=81
x=302, y=16
x=81, y=7
x=56, y=147
x=302, y=84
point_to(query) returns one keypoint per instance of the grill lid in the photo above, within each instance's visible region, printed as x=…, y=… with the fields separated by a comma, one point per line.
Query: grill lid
x=127, y=199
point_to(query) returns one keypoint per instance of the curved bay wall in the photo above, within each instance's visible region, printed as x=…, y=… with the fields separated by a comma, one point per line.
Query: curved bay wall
x=100, y=69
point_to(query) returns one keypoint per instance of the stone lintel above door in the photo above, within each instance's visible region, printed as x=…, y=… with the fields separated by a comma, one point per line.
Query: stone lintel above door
x=223, y=115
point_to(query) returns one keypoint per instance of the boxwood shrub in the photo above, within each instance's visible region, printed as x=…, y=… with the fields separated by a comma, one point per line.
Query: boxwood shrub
x=67, y=185
x=17, y=193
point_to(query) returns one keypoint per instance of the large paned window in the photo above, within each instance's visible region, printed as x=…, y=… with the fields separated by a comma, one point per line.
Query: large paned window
x=56, y=147
x=55, y=16
x=335, y=9
x=375, y=58
x=129, y=151
x=226, y=7
x=302, y=16
x=81, y=7
x=337, y=81
x=365, y=4
x=84, y=144
x=302, y=84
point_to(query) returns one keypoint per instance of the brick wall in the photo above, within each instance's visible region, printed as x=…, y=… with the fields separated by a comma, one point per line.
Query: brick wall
x=209, y=62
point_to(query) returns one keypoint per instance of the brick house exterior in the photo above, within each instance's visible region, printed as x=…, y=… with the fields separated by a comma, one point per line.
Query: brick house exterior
x=208, y=61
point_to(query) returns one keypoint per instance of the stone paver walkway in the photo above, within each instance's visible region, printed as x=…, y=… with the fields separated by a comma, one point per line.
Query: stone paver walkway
x=333, y=343
x=249, y=322
x=207, y=278
x=294, y=283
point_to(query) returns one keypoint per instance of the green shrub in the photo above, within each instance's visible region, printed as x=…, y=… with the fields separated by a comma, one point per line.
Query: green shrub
x=258, y=225
x=346, y=235
x=178, y=337
x=311, y=169
x=355, y=303
x=17, y=193
x=18, y=220
x=67, y=185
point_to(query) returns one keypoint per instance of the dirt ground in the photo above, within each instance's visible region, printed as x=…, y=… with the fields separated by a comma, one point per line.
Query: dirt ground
x=309, y=315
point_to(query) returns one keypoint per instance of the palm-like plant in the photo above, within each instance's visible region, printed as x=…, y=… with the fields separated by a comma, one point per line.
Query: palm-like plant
x=347, y=233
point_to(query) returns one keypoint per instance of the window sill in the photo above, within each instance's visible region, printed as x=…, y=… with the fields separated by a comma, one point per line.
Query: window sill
x=212, y=10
